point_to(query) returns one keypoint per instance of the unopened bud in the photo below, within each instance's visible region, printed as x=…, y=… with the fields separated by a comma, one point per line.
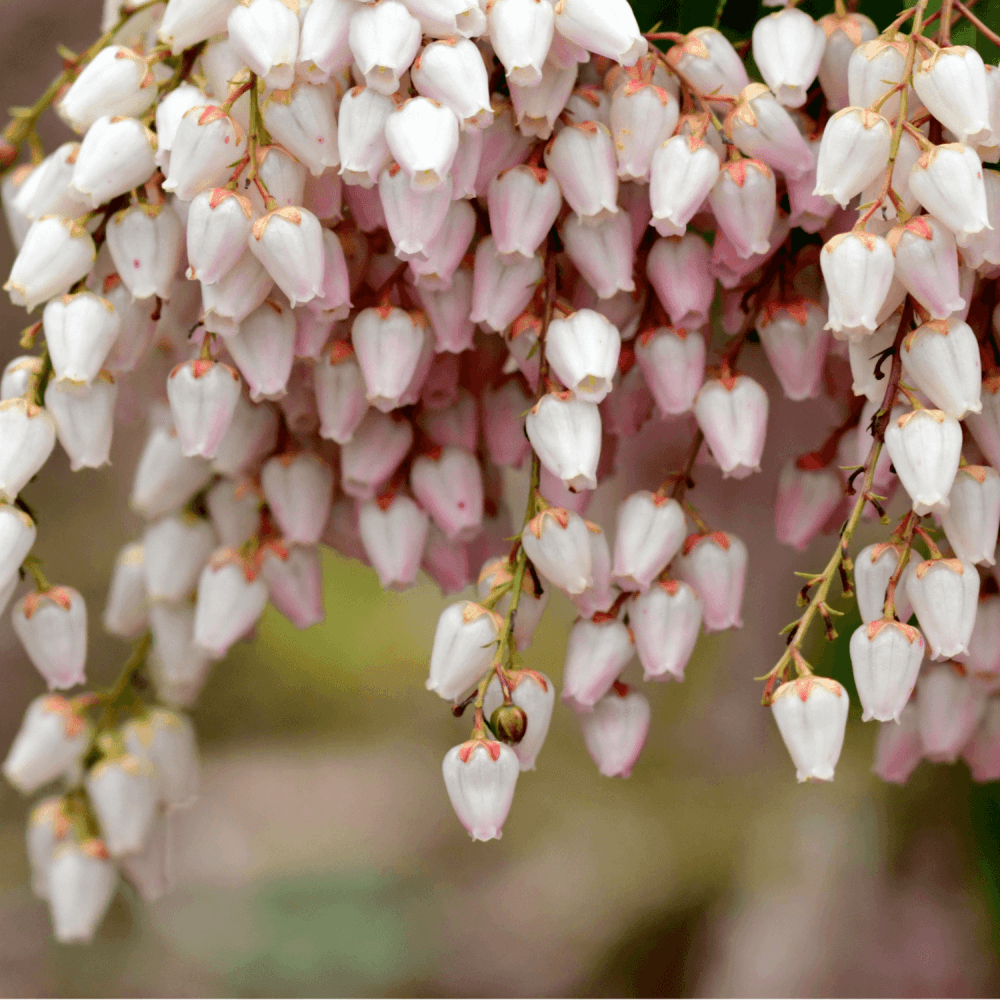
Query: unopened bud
x=510, y=723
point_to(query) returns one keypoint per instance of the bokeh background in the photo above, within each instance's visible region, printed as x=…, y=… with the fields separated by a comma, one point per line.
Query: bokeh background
x=324, y=858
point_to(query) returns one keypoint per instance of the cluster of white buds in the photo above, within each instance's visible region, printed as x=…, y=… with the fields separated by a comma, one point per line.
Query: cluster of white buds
x=362, y=257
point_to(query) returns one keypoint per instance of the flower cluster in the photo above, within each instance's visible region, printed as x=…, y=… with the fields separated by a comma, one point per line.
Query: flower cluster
x=360, y=258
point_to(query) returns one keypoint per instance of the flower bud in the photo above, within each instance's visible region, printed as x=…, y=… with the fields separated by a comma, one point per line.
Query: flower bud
x=52, y=627
x=707, y=58
x=480, y=777
x=582, y=158
x=873, y=569
x=364, y=152
x=82, y=883
x=950, y=706
x=557, y=543
x=677, y=268
x=853, y=153
x=50, y=742
x=175, y=549
x=251, y=437
x=761, y=128
x=952, y=84
x=649, y=533
x=502, y=284
x=666, y=620
x=732, y=414
x=807, y=498
x=566, y=435
x=207, y=142
x=795, y=341
x=231, y=599
x=27, y=437
x=787, y=47
x=715, y=565
x=17, y=536
x=463, y=648
x=79, y=332
x=857, y=270
x=948, y=182
x=885, y=657
x=218, y=227
x=941, y=359
x=373, y=454
x=123, y=794
x=298, y=487
x=811, y=714
x=55, y=255
x=925, y=447
x=84, y=419
x=615, y=731
x=682, y=172
x=294, y=583
x=972, y=517
x=944, y=593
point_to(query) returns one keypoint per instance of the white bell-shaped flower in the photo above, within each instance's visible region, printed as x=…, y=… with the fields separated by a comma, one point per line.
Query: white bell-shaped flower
x=207, y=143
x=602, y=252
x=187, y=22
x=264, y=34
x=116, y=155
x=52, y=627
x=324, y=47
x=873, y=569
x=983, y=659
x=423, y=139
x=117, y=81
x=82, y=883
x=80, y=330
x=294, y=579
x=673, y=364
x=84, y=419
x=952, y=85
x=449, y=485
x=231, y=598
x=582, y=350
x=732, y=414
x=414, y=215
x=502, y=285
x=853, y=153
x=393, y=531
x=47, y=828
x=175, y=549
x=384, y=39
x=448, y=18
x=146, y=243
x=605, y=28
x=55, y=255
x=203, y=395
x=50, y=742
x=601, y=594
x=47, y=189
x=582, y=158
x=125, y=610
x=241, y=290
x=973, y=515
x=950, y=706
x=388, y=344
x=795, y=340
x=985, y=425
x=218, y=227
x=948, y=182
x=251, y=438
x=536, y=108
x=649, y=533
x=27, y=437
x=666, y=620
x=743, y=200
x=558, y=544
x=707, y=58
x=642, y=118
x=264, y=351
x=885, y=657
x=169, y=112
x=452, y=72
x=944, y=593
x=302, y=119
x=480, y=777
x=298, y=488
x=443, y=255
x=521, y=32
x=19, y=375
x=808, y=495
x=715, y=565
x=340, y=393
x=164, y=477
x=122, y=791
x=678, y=270
x=844, y=33
x=596, y=653
x=761, y=128
x=289, y=243
x=566, y=434
x=787, y=47
x=682, y=172
x=373, y=454
x=925, y=447
x=178, y=667
x=941, y=359
x=615, y=731
x=17, y=536
x=857, y=271
x=535, y=694
x=927, y=265
x=464, y=647
x=811, y=714
x=234, y=510
x=364, y=152
x=167, y=740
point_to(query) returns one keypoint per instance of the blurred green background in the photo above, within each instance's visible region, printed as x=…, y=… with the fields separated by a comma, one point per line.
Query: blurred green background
x=324, y=858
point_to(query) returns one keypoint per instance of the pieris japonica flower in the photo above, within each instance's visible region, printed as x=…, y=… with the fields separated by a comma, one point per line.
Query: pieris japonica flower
x=615, y=731
x=340, y=393
x=857, y=269
x=388, y=344
x=179, y=667
x=448, y=484
x=523, y=204
x=55, y=255
x=169, y=113
x=48, y=189
x=943, y=593
x=602, y=252
x=414, y=215
x=187, y=22
x=384, y=38
x=787, y=47
x=973, y=514
x=682, y=172
x=167, y=740
x=84, y=419
x=27, y=437
x=844, y=33
x=666, y=620
x=123, y=794
x=206, y=144
x=423, y=139
x=673, y=364
x=175, y=549
x=677, y=268
x=520, y=32
x=707, y=58
x=872, y=70
x=17, y=536
x=941, y=358
x=117, y=81
x=452, y=72
x=82, y=883
x=925, y=447
x=760, y=127
x=853, y=153
x=298, y=487
x=950, y=706
x=116, y=155
x=731, y=411
x=463, y=648
x=715, y=565
x=596, y=653
x=534, y=693
x=324, y=48
x=252, y=436
x=743, y=200
x=808, y=495
x=289, y=243
x=795, y=340
x=264, y=350
x=52, y=627
x=234, y=510
x=873, y=569
x=51, y=740
x=948, y=182
x=264, y=35
x=642, y=117
x=582, y=350
x=811, y=713
x=898, y=748
x=373, y=454
x=536, y=108
x=480, y=777
x=582, y=158
x=364, y=152
x=952, y=84
x=294, y=582
x=649, y=533
x=241, y=290
x=565, y=432
x=125, y=610
x=982, y=752
x=557, y=543
x=218, y=227
x=502, y=285
x=927, y=265
x=203, y=395
x=231, y=598
x=146, y=244
x=79, y=332
x=393, y=531
x=19, y=376
x=983, y=659
x=885, y=657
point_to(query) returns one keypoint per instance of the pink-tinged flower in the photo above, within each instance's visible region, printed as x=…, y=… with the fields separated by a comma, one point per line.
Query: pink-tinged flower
x=465, y=166
x=885, y=657
x=626, y=410
x=234, y=510
x=203, y=395
x=898, y=748
x=565, y=433
x=853, y=153
x=389, y=344
x=677, y=269
x=50, y=743
x=944, y=594
x=116, y=155
x=242, y=289
x=950, y=706
x=795, y=341
x=414, y=215
x=449, y=486
x=27, y=437
x=340, y=393
x=843, y=35
x=952, y=84
x=373, y=454
x=164, y=477
x=80, y=330
x=218, y=226
x=175, y=549
x=393, y=532
x=710, y=62
x=289, y=243
x=384, y=38
x=982, y=752
x=423, y=139
x=673, y=363
x=264, y=349
x=600, y=595
x=146, y=243
x=743, y=200
x=649, y=532
x=55, y=254
x=503, y=423
x=682, y=172
x=857, y=270
x=972, y=517
x=464, y=647
x=582, y=158
x=52, y=627
x=187, y=22
x=251, y=438
x=985, y=426
x=503, y=144
x=715, y=565
x=602, y=252
x=732, y=269
x=364, y=152
x=480, y=777
x=557, y=543
x=642, y=117
x=502, y=284
x=302, y=119
x=787, y=47
x=983, y=659
x=443, y=254
x=82, y=883
x=807, y=211
x=941, y=359
x=452, y=72
x=454, y=425
x=538, y=107
x=17, y=536
x=84, y=419
x=596, y=653
x=925, y=447
x=808, y=495
x=123, y=795
x=732, y=414
x=811, y=714
x=948, y=181
x=294, y=582
x=207, y=142
x=231, y=599
x=324, y=47
x=927, y=265
x=448, y=565
x=615, y=731
x=178, y=666
x=535, y=694
x=582, y=350
x=666, y=620
x=873, y=569
x=298, y=488
x=761, y=128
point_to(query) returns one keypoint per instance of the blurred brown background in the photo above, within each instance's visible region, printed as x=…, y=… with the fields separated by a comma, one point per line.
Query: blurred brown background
x=324, y=858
